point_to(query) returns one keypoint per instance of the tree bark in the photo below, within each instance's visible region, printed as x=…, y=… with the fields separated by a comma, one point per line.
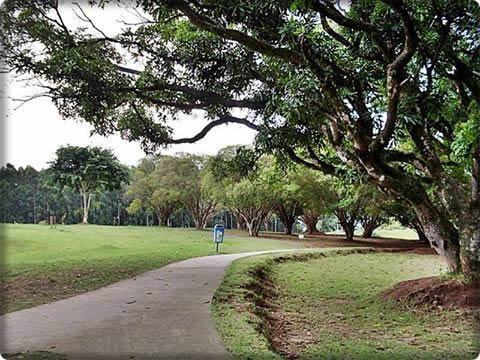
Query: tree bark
x=470, y=243
x=86, y=197
x=442, y=235
x=347, y=223
x=241, y=224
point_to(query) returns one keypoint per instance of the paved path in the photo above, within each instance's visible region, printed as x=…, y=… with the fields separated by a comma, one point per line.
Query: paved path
x=162, y=314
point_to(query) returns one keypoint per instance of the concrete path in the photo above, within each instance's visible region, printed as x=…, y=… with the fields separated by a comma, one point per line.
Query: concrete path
x=162, y=314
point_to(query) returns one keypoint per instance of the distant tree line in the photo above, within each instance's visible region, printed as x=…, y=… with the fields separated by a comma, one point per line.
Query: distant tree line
x=89, y=185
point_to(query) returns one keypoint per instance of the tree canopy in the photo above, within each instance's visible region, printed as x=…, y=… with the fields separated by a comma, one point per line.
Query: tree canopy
x=87, y=169
x=388, y=89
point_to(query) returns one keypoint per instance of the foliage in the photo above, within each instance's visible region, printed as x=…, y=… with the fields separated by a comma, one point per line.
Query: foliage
x=386, y=90
x=86, y=170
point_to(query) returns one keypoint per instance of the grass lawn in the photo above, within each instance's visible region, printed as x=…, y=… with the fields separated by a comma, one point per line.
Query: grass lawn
x=330, y=308
x=42, y=264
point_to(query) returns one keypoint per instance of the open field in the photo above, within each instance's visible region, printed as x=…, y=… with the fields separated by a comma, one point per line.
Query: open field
x=43, y=264
x=331, y=308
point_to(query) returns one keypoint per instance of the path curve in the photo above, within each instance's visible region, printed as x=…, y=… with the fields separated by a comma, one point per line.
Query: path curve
x=161, y=314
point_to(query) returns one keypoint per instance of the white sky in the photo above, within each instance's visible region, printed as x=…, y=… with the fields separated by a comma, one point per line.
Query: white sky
x=33, y=132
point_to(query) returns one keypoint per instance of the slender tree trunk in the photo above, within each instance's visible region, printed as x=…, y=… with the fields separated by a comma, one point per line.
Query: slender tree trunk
x=118, y=214
x=349, y=230
x=347, y=222
x=86, y=206
x=241, y=223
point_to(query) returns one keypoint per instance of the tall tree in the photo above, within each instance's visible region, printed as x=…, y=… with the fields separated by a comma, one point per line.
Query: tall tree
x=374, y=210
x=285, y=194
x=197, y=188
x=389, y=88
x=155, y=188
x=87, y=169
x=247, y=192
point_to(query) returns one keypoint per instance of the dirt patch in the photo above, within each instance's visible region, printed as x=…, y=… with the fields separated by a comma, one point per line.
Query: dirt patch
x=23, y=292
x=334, y=240
x=436, y=292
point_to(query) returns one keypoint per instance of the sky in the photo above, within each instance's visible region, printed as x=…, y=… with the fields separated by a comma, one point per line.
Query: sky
x=32, y=132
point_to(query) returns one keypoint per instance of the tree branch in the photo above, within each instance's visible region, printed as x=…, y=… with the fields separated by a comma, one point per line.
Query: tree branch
x=224, y=119
x=252, y=43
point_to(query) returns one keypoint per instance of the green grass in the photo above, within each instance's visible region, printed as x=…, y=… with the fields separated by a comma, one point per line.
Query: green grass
x=334, y=304
x=42, y=264
x=403, y=233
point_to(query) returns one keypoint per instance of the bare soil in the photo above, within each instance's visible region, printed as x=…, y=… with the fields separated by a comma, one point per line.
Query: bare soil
x=436, y=292
x=323, y=240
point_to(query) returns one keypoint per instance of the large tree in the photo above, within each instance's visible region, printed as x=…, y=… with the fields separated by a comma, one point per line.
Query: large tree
x=389, y=88
x=87, y=169
x=197, y=187
x=154, y=188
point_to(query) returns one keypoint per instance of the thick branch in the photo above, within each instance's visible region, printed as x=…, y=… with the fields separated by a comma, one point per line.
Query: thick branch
x=225, y=119
x=231, y=34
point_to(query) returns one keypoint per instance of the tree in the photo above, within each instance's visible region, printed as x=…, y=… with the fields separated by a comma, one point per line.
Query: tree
x=387, y=88
x=154, y=188
x=284, y=193
x=249, y=200
x=197, y=188
x=248, y=195
x=315, y=197
x=374, y=211
x=87, y=169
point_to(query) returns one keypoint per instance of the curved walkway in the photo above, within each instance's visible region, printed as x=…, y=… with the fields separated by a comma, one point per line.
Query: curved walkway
x=162, y=314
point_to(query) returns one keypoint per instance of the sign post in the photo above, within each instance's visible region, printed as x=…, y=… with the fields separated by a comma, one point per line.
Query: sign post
x=218, y=234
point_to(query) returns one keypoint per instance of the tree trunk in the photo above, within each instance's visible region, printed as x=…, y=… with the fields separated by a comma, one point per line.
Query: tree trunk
x=470, y=244
x=310, y=220
x=86, y=197
x=347, y=222
x=370, y=224
x=241, y=224
x=200, y=223
x=368, y=232
x=422, y=237
x=163, y=219
x=349, y=230
x=288, y=224
x=253, y=227
x=287, y=214
x=442, y=235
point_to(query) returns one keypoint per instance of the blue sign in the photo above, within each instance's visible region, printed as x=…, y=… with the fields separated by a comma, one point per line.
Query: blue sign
x=218, y=233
